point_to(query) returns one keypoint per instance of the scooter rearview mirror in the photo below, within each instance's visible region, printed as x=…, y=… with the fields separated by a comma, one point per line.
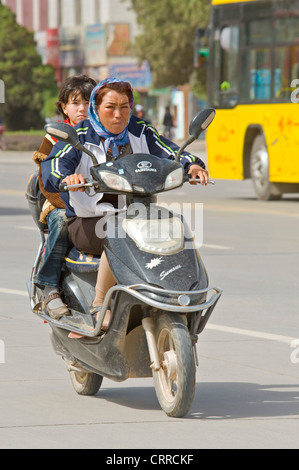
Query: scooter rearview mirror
x=63, y=132
x=200, y=122
x=66, y=133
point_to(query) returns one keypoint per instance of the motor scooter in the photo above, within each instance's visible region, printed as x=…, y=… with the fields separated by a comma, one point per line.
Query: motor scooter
x=161, y=301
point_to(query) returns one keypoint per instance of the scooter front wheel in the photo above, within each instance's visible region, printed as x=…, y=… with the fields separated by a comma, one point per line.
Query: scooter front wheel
x=175, y=380
x=86, y=383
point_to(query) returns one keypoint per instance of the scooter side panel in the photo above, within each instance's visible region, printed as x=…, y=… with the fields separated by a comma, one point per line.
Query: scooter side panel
x=117, y=355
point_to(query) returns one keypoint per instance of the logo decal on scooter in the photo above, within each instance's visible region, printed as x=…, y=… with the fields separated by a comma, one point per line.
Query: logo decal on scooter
x=154, y=262
x=163, y=274
x=145, y=166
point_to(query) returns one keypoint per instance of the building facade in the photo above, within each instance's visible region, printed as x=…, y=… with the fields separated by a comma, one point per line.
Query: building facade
x=94, y=37
x=85, y=36
x=38, y=15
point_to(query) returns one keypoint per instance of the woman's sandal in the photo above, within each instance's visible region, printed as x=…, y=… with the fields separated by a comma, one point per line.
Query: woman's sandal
x=94, y=312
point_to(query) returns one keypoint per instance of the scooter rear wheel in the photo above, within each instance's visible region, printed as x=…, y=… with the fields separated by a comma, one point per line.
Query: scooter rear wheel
x=175, y=380
x=86, y=383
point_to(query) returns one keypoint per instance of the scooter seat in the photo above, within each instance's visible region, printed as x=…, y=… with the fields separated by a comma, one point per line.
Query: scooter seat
x=77, y=261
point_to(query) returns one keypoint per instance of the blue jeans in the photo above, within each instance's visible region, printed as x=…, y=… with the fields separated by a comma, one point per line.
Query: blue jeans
x=56, y=248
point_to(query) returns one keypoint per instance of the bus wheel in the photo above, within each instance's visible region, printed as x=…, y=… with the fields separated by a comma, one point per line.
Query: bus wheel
x=259, y=171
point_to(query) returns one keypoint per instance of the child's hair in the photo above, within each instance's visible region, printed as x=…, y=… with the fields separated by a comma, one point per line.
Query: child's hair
x=78, y=84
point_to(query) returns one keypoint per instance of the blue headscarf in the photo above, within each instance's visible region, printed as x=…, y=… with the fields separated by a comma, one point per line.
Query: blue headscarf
x=111, y=140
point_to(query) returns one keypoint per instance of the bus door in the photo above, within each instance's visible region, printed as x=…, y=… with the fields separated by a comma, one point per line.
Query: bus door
x=223, y=162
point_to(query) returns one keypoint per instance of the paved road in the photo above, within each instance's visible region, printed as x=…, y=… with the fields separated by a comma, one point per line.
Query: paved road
x=247, y=390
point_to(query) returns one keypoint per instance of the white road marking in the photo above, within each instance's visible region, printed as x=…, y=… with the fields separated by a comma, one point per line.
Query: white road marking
x=250, y=210
x=216, y=247
x=251, y=333
x=12, y=192
x=27, y=228
x=23, y=293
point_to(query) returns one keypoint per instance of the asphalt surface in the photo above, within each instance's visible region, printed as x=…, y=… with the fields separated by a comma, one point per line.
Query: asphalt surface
x=247, y=383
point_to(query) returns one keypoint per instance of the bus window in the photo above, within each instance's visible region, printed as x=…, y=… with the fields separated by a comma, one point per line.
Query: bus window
x=294, y=63
x=229, y=48
x=286, y=28
x=286, y=53
x=256, y=76
x=225, y=46
x=286, y=62
x=258, y=32
x=215, y=78
x=282, y=72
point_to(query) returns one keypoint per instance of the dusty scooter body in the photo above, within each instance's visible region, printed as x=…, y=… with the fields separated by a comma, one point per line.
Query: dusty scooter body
x=161, y=301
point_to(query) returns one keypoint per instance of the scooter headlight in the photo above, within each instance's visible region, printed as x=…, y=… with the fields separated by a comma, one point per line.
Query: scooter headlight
x=174, y=179
x=116, y=182
x=159, y=236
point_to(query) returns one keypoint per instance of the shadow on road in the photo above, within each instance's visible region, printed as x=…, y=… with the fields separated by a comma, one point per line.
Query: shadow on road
x=140, y=398
x=244, y=400
x=218, y=400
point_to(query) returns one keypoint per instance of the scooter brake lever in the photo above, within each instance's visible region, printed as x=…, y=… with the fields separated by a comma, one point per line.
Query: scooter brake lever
x=197, y=180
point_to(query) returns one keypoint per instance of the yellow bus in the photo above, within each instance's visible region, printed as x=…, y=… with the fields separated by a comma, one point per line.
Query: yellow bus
x=254, y=87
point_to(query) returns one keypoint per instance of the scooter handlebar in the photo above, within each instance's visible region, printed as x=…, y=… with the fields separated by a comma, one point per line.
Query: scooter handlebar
x=64, y=187
x=197, y=180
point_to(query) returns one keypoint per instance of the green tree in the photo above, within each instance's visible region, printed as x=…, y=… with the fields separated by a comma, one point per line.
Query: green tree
x=167, y=37
x=28, y=83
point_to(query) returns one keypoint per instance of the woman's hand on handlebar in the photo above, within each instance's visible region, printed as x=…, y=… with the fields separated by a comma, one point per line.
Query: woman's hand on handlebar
x=74, y=179
x=196, y=171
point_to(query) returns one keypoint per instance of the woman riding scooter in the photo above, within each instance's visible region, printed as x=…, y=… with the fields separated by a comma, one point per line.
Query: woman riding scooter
x=112, y=132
